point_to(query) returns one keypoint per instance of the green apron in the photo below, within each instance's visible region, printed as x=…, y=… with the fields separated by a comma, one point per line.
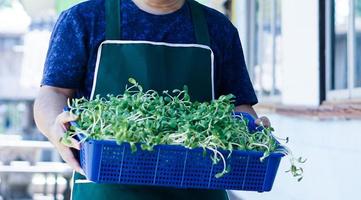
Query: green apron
x=155, y=65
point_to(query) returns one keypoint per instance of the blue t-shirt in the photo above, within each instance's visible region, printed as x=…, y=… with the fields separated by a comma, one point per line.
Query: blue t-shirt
x=79, y=31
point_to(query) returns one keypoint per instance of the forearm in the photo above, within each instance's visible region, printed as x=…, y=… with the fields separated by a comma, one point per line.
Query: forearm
x=48, y=105
x=49, y=117
x=248, y=109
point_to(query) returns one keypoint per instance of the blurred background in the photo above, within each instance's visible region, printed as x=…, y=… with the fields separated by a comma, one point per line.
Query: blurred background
x=303, y=56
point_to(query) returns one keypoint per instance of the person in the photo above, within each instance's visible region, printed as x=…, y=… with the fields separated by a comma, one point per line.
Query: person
x=164, y=44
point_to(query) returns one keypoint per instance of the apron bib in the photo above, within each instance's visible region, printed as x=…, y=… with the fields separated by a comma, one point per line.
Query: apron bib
x=158, y=66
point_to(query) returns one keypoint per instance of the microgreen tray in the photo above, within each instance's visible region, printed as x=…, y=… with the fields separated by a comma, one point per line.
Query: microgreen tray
x=105, y=161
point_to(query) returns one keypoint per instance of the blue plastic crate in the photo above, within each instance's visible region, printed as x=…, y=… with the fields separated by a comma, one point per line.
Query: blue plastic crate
x=104, y=161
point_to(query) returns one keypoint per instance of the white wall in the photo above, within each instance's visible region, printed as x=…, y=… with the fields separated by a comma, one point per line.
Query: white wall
x=300, y=52
x=332, y=171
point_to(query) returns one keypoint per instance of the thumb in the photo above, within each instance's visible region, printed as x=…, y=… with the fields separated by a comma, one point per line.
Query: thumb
x=263, y=121
x=66, y=117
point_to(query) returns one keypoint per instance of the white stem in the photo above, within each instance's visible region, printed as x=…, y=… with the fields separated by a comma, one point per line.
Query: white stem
x=215, y=151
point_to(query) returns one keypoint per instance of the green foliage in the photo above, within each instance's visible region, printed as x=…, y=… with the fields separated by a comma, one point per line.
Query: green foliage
x=62, y=5
x=150, y=118
x=5, y=4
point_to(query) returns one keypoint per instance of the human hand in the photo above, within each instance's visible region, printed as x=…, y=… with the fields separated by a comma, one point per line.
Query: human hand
x=57, y=131
x=263, y=121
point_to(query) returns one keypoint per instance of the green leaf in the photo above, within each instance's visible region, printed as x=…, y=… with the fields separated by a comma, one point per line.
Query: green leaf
x=219, y=175
x=151, y=118
x=301, y=160
x=66, y=141
x=133, y=147
x=132, y=81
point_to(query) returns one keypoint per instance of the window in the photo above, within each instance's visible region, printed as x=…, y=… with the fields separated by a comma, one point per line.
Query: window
x=358, y=43
x=344, y=47
x=263, y=48
x=339, y=67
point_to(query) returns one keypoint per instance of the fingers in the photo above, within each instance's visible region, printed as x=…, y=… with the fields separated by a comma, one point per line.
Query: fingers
x=65, y=117
x=69, y=158
x=75, y=144
x=58, y=130
x=61, y=125
x=263, y=121
x=72, y=144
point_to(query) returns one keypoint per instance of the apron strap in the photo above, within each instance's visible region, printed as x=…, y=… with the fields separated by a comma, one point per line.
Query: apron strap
x=199, y=23
x=113, y=20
